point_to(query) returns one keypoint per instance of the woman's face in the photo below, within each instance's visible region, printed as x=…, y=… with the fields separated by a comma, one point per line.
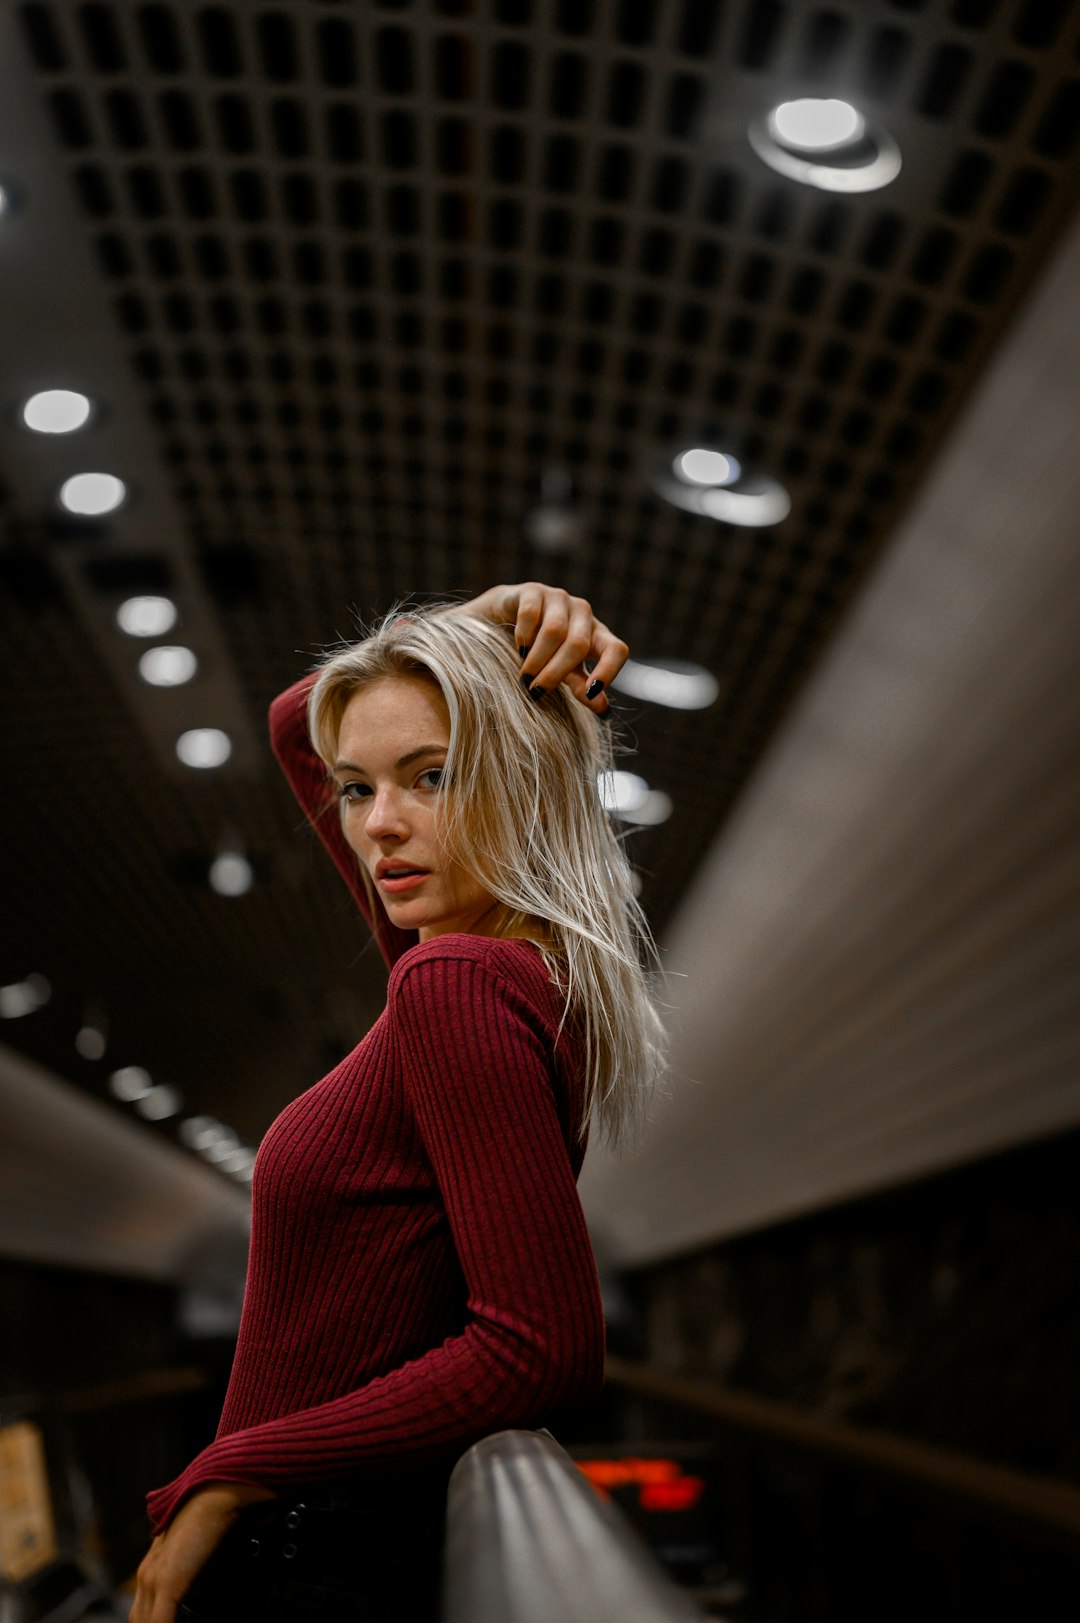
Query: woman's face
x=391, y=748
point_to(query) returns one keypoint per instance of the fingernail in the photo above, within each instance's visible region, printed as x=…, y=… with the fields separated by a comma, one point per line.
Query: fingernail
x=525, y=679
x=607, y=715
x=537, y=693
x=594, y=688
x=522, y=651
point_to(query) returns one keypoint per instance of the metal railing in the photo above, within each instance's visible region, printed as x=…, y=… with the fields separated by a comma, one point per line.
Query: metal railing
x=529, y=1540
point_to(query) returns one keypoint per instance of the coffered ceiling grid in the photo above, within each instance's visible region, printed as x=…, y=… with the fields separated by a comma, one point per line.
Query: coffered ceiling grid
x=375, y=269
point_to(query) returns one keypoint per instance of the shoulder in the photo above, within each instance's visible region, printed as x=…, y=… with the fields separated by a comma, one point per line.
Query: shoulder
x=481, y=968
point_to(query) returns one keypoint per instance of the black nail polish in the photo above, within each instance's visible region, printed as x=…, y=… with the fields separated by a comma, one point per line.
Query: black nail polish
x=594, y=688
x=537, y=693
x=607, y=715
x=526, y=680
x=522, y=651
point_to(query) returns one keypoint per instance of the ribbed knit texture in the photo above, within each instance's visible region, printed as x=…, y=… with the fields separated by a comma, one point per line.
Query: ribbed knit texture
x=420, y=1271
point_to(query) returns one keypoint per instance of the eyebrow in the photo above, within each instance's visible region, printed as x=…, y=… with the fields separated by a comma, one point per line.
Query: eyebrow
x=405, y=760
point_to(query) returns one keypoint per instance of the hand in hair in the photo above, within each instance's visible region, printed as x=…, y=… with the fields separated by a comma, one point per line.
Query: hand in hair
x=559, y=633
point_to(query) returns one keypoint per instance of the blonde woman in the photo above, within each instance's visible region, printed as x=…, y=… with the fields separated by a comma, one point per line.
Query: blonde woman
x=420, y=1271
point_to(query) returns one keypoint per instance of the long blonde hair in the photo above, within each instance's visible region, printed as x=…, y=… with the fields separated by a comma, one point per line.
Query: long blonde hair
x=524, y=817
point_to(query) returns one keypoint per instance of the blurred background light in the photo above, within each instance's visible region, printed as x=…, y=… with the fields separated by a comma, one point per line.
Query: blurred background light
x=701, y=467
x=231, y=874
x=815, y=124
x=677, y=683
x=130, y=1083
x=146, y=616
x=56, y=411
x=92, y=494
x=204, y=747
x=160, y=1103
x=167, y=666
x=622, y=792
x=23, y=997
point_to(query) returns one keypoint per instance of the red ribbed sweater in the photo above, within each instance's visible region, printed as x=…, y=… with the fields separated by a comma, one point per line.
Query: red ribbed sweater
x=420, y=1272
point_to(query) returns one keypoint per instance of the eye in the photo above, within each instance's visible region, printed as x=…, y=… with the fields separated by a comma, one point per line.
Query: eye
x=345, y=793
x=433, y=778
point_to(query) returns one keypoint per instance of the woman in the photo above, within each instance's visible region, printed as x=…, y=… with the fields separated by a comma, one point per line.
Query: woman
x=420, y=1271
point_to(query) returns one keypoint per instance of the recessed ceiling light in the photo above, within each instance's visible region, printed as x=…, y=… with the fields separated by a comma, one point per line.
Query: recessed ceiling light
x=160, y=1103
x=701, y=467
x=90, y=1042
x=816, y=124
x=146, y=616
x=826, y=143
x=673, y=682
x=622, y=792
x=749, y=500
x=656, y=808
x=204, y=747
x=129, y=1083
x=92, y=494
x=167, y=667
x=231, y=874
x=23, y=997
x=56, y=411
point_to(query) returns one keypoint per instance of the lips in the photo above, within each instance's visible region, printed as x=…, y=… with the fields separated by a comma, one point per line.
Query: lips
x=391, y=875
x=394, y=868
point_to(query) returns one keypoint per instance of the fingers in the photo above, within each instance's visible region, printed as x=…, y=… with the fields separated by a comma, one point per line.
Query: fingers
x=560, y=634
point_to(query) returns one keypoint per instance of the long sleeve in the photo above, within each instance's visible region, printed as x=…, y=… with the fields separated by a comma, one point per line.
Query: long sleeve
x=480, y=1085
x=307, y=779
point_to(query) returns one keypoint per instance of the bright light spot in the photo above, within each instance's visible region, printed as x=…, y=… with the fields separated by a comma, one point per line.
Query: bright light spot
x=56, y=411
x=167, y=667
x=622, y=792
x=231, y=874
x=204, y=747
x=23, y=997
x=159, y=1103
x=239, y=1162
x=91, y=494
x=657, y=808
x=89, y=1042
x=3, y=200
x=146, y=616
x=199, y=1131
x=814, y=125
x=221, y=1149
x=750, y=509
x=701, y=467
x=673, y=682
x=130, y=1083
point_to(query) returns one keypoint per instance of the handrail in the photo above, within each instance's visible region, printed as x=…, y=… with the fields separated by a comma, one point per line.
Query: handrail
x=1049, y=1504
x=528, y=1540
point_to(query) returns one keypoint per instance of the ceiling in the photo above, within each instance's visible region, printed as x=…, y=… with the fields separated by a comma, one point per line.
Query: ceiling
x=347, y=283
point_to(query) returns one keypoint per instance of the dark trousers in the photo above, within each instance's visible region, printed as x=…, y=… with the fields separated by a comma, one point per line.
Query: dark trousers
x=323, y=1557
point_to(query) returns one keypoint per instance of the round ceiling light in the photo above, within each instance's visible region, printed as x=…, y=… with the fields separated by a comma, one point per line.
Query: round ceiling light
x=702, y=467
x=816, y=124
x=56, y=411
x=204, y=747
x=130, y=1083
x=167, y=667
x=827, y=143
x=92, y=494
x=749, y=500
x=231, y=874
x=146, y=616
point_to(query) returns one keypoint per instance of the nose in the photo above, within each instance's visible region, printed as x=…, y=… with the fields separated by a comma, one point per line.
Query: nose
x=386, y=815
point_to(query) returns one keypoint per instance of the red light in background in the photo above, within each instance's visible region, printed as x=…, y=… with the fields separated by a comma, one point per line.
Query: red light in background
x=678, y=1493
